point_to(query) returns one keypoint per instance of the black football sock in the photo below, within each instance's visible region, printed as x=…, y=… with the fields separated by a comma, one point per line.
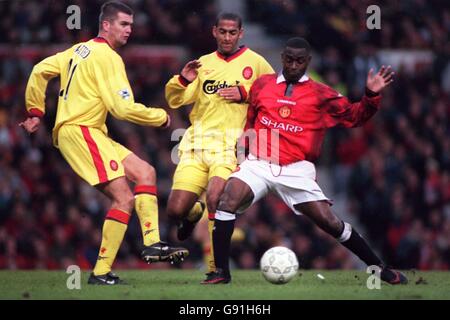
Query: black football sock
x=222, y=232
x=353, y=241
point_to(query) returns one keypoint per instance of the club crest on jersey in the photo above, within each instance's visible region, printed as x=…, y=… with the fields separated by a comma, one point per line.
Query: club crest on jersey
x=247, y=73
x=114, y=166
x=284, y=112
x=124, y=93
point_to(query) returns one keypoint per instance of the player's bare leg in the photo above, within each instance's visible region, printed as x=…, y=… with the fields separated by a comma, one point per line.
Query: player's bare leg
x=119, y=192
x=320, y=213
x=146, y=206
x=186, y=209
x=215, y=188
x=180, y=203
x=116, y=223
x=236, y=194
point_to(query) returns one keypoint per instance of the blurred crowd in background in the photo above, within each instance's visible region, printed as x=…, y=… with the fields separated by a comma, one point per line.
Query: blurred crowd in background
x=394, y=171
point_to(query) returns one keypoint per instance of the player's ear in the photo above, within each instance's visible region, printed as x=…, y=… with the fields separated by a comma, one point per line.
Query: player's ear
x=241, y=33
x=214, y=32
x=105, y=25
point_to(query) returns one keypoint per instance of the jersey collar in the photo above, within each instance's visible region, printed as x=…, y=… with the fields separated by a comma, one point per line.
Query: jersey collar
x=240, y=51
x=101, y=40
x=281, y=78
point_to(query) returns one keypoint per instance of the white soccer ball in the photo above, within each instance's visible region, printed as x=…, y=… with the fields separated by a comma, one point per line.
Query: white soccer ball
x=279, y=265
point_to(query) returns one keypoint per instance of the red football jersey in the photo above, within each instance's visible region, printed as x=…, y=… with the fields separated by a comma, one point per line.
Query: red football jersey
x=290, y=128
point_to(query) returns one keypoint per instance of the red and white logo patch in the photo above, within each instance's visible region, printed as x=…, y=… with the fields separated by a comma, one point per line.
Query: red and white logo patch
x=113, y=164
x=284, y=111
x=247, y=73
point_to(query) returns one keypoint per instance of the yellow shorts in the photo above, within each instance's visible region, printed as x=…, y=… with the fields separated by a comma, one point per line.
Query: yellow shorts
x=92, y=155
x=197, y=167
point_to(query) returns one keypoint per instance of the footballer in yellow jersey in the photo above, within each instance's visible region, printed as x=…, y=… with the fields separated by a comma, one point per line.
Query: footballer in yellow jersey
x=93, y=84
x=217, y=84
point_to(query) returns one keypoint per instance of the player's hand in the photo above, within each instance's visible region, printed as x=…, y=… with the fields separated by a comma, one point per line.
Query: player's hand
x=31, y=124
x=231, y=93
x=379, y=81
x=190, y=71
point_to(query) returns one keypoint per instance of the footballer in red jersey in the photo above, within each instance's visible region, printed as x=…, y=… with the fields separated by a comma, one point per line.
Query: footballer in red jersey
x=300, y=118
x=288, y=116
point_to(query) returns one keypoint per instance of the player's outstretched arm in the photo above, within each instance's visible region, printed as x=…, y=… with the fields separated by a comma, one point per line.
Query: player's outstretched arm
x=35, y=91
x=36, y=87
x=380, y=80
x=117, y=96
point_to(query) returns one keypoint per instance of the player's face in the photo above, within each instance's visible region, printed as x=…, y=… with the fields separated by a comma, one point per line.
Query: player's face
x=295, y=62
x=120, y=29
x=227, y=34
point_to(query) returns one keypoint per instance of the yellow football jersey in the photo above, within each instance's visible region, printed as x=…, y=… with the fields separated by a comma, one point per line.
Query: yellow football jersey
x=93, y=83
x=216, y=123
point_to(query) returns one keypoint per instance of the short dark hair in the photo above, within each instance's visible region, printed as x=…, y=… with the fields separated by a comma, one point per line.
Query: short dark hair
x=109, y=11
x=298, y=43
x=229, y=16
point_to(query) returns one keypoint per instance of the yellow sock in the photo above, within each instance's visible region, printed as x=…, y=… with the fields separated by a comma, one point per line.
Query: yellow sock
x=195, y=213
x=209, y=255
x=146, y=205
x=116, y=223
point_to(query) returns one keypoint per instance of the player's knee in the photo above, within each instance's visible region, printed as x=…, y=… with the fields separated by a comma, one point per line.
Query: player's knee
x=147, y=174
x=212, y=200
x=175, y=211
x=227, y=203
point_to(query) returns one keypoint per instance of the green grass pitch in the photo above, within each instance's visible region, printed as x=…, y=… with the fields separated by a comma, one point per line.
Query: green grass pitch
x=247, y=285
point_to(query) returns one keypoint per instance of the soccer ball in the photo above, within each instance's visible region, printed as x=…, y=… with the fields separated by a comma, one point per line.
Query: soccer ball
x=279, y=265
